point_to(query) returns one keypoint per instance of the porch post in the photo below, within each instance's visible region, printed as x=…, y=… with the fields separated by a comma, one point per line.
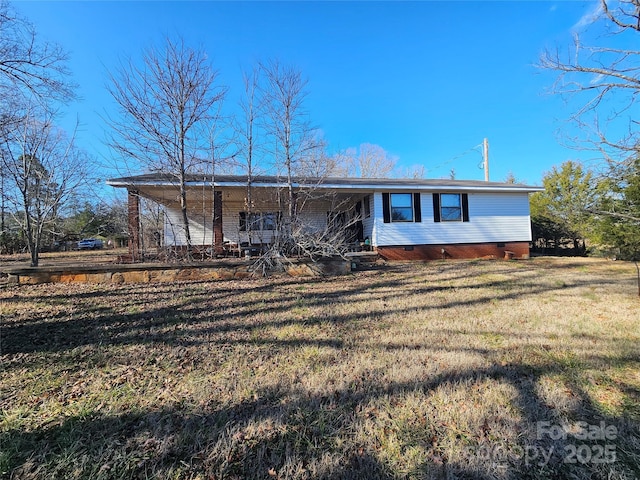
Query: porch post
x=217, y=221
x=134, y=224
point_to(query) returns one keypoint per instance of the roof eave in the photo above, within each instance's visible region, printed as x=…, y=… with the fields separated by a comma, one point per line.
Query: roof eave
x=118, y=183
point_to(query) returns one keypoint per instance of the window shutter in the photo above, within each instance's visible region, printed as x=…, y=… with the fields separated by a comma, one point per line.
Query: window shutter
x=386, y=208
x=417, y=209
x=436, y=207
x=465, y=207
x=243, y=221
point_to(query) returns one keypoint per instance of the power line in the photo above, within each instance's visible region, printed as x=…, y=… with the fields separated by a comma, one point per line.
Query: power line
x=466, y=152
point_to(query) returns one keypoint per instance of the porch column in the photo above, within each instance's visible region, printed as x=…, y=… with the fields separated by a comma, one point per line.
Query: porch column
x=134, y=224
x=218, y=234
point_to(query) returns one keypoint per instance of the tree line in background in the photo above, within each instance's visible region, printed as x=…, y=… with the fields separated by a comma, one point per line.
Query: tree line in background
x=581, y=213
x=171, y=119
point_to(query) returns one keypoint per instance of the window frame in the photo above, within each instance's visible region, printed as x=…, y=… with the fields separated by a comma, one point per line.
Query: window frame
x=258, y=221
x=438, y=208
x=402, y=208
x=366, y=206
x=416, y=200
x=448, y=217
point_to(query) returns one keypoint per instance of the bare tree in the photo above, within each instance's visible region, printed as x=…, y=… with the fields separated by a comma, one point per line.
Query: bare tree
x=248, y=144
x=604, y=79
x=30, y=70
x=167, y=105
x=284, y=94
x=42, y=169
x=28, y=66
x=374, y=161
x=317, y=162
x=367, y=161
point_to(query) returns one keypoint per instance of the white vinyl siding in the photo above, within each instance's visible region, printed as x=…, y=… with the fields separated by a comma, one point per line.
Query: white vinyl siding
x=493, y=217
x=314, y=216
x=200, y=223
x=368, y=222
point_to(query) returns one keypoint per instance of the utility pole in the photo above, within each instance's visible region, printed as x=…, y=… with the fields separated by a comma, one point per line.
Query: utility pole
x=485, y=155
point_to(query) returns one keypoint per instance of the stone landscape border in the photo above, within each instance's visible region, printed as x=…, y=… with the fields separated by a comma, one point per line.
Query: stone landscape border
x=149, y=272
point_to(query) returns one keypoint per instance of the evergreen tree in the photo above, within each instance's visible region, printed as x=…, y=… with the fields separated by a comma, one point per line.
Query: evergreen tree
x=560, y=214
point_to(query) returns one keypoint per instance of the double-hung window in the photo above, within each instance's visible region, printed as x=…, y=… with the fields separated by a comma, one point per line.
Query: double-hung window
x=450, y=207
x=258, y=221
x=401, y=207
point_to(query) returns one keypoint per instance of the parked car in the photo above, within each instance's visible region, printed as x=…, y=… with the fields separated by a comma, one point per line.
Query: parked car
x=89, y=244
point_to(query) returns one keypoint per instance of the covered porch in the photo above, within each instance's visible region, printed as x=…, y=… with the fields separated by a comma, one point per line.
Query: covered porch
x=230, y=221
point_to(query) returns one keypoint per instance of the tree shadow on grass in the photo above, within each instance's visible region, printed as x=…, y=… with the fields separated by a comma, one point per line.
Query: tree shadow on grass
x=288, y=432
x=214, y=314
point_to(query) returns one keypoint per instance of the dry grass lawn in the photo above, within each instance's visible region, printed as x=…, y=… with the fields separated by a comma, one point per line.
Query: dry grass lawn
x=474, y=369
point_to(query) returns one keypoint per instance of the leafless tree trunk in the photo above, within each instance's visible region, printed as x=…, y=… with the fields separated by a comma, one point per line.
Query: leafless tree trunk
x=31, y=71
x=284, y=94
x=42, y=169
x=3, y=206
x=249, y=146
x=167, y=105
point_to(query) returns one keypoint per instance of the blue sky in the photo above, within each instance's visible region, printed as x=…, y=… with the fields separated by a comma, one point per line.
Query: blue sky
x=427, y=81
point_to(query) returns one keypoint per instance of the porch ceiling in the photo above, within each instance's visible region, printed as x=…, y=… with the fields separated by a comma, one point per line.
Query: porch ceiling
x=170, y=195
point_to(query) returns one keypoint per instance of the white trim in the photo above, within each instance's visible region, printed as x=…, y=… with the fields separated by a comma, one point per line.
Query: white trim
x=334, y=186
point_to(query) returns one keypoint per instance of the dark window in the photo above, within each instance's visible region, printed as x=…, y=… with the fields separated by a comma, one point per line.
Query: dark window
x=258, y=221
x=269, y=221
x=366, y=206
x=450, y=207
x=401, y=207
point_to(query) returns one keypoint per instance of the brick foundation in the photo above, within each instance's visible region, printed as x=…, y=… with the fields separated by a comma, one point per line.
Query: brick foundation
x=457, y=251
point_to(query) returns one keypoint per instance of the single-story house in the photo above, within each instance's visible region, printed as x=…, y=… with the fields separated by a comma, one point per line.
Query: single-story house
x=401, y=219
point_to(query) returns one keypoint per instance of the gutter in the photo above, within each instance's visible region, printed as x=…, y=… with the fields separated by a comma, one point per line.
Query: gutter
x=334, y=186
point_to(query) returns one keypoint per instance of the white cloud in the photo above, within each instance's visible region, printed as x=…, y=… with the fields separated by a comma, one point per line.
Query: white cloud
x=590, y=16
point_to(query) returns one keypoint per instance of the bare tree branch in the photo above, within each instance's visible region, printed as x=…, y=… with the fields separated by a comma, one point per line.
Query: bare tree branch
x=42, y=169
x=284, y=93
x=605, y=79
x=28, y=66
x=168, y=106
